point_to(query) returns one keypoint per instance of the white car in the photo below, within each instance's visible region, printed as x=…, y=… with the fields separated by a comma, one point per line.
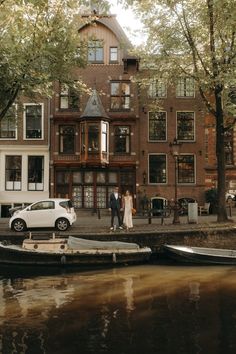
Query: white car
x=57, y=213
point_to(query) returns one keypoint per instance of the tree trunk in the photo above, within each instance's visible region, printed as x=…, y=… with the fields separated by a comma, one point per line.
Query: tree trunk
x=220, y=154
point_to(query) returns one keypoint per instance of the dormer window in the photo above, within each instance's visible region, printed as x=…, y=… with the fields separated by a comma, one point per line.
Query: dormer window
x=95, y=51
x=113, y=54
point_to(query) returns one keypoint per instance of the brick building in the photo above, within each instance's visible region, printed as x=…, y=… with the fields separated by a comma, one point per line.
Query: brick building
x=114, y=137
x=82, y=145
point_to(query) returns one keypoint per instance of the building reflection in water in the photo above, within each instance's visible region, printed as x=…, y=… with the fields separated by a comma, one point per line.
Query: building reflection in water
x=133, y=310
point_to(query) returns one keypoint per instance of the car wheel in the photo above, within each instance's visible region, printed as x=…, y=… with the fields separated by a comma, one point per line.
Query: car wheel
x=18, y=225
x=62, y=224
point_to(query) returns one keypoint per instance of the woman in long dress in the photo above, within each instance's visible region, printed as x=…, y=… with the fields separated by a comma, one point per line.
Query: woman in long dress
x=128, y=206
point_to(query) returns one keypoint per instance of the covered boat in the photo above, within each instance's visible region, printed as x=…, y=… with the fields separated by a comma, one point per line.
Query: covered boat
x=72, y=251
x=200, y=255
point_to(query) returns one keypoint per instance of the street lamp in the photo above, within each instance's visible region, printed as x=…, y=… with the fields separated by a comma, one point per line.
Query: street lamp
x=175, y=146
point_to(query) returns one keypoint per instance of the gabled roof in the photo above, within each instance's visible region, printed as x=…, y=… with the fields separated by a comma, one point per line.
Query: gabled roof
x=94, y=107
x=111, y=23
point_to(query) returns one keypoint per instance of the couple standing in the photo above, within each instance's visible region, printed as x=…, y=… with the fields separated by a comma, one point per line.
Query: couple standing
x=117, y=204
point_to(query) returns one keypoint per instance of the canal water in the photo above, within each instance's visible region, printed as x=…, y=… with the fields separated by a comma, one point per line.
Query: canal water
x=130, y=310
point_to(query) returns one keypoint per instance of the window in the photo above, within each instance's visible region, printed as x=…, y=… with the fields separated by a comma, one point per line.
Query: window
x=95, y=51
x=157, y=168
x=8, y=124
x=185, y=87
x=35, y=173
x=186, y=170
x=229, y=147
x=104, y=137
x=122, y=140
x=157, y=88
x=66, y=139
x=157, y=126
x=113, y=54
x=93, y=139
x=43, y=205
x=120, y=96
x=33, y=121
x=185, y=126
x=13, y=173
x=69, y=98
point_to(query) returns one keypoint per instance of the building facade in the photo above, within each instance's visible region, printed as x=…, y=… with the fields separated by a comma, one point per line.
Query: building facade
x=117, y=132
x=114, y=137
x=24, y=154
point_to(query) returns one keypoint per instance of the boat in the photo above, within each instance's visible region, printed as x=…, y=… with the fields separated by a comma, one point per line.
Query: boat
x=200, y=255
x=71, y=251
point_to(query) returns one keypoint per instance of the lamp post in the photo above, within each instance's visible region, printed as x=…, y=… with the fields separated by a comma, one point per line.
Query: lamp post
x=175, y=153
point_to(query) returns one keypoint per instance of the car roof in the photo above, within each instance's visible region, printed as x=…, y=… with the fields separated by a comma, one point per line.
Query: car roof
x=52, y=200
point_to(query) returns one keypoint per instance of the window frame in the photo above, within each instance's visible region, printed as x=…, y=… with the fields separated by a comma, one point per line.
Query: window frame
x=14, y=183
x=124, y=137
x=7, y=117
x=63, y=136
x=95, y=45
x=157, y=89
x=112, y=53
x=151, y=139
x=184, y=156
x=193, y=132
x=25, y=121
x=185, y=87
x=35, y=185
x=70, y=95
x=120, y=95
x=165, y=180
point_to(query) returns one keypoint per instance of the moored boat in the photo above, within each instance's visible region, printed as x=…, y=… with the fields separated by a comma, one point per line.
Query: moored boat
x=200, y=255
x=72, y=251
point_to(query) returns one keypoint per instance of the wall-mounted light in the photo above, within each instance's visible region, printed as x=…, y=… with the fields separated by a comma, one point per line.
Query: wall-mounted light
x=144, y=177
x=143, y=152
x=144, y=110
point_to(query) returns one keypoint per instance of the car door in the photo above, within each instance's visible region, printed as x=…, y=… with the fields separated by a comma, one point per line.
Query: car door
x=41, y=214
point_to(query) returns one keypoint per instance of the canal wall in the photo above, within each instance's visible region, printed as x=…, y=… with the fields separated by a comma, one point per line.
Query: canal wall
x=206, y=237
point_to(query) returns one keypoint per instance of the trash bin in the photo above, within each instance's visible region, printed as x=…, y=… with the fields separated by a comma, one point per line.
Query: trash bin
x=192, y=213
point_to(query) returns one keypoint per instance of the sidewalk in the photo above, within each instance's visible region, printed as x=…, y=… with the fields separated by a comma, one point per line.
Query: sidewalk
x=88, y=223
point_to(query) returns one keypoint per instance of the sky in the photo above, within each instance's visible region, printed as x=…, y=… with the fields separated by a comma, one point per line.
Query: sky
x=128, y=22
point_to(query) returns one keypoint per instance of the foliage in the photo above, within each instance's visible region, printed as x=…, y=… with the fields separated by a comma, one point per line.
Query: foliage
x=39, y=43
x=196, y=38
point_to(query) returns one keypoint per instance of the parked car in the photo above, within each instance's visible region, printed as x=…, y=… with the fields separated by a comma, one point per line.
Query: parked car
x=183, y=203
x=57, y=213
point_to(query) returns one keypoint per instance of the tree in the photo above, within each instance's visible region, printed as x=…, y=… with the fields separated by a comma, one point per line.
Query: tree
x=196, y=38
x=39, y=43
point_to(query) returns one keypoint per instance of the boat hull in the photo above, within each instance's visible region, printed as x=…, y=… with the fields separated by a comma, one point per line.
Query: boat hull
x=198, y=255
x=15, y=255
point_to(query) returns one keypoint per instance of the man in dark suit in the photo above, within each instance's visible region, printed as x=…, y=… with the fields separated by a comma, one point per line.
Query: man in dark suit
x=115, y=205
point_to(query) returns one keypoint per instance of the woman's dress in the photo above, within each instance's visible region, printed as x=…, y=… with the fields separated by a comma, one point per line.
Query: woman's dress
x=128, y=205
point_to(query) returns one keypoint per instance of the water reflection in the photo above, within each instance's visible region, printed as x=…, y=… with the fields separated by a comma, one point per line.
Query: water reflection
x=144, y=309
